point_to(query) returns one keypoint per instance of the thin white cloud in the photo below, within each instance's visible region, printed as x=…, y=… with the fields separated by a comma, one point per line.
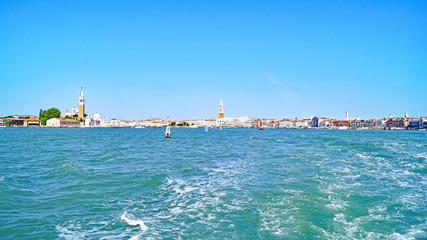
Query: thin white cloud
x=280, y=88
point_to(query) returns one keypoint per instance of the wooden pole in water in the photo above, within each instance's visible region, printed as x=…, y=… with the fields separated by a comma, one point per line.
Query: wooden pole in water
x=168, y=132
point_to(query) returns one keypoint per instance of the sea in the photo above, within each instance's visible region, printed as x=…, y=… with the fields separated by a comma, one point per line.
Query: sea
x=124, y=183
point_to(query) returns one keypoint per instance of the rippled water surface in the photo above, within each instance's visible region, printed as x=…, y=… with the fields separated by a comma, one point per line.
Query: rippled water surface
x=230, y=184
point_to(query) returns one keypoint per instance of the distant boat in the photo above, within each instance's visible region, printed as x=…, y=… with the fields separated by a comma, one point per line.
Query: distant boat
x=342, y=127
x=139, y=126
x=261, y=128
x=168, y=132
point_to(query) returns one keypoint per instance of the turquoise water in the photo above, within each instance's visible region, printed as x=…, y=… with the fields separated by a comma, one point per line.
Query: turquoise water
x=230, y=184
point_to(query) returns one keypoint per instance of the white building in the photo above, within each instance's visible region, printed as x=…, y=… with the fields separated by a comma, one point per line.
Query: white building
x=286, y=123
x=225, y=122
x=301, y=124
x=62, y=122
x=244, y=122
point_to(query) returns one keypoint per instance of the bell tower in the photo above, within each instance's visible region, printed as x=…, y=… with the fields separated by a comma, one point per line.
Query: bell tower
x=221, y=110
x=81, y=105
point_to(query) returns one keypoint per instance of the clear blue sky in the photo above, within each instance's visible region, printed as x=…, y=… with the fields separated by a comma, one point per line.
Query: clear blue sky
x=179, y=58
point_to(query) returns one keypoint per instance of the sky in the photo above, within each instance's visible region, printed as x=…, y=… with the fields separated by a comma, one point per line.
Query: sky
x=268, y=59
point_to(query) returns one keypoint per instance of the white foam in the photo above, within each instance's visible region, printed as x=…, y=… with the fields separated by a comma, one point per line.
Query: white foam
x=336, y=204
x=68, y=234
x=362, y=155
x=176, y=210
x=186, y=189
x=131, y=220
x=2, y=178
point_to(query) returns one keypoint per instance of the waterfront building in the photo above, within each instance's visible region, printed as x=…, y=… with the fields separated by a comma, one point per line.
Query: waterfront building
x=325, y=122
x=393, y=123
x=196, y=122
x=273, y=124
x=380, y=123
x=225, y=122
x=315, y=122
x=423, y=123
x=81, y=113
x=32, y=122
x=301, y=124
x=21, y=120
x=199, y=123
x=244, y=122
x=341, y=123
x=286, y=123
x=88, y=121
x=119, y=123
x=62, y=122
x=357, y=123
x=414, y=124
x=221, y=110
x=372, y=123
x=256, y=123
x=266, y=122
x=210, y=123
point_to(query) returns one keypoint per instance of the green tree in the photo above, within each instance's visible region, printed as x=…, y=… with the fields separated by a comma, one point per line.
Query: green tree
x=45, y=115
x=69, y=117
x=43, y=120
x=52, y=113
x=8, y=122
x=173, y=124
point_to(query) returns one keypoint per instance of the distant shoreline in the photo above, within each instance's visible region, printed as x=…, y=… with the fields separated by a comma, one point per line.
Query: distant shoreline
x=358, y=129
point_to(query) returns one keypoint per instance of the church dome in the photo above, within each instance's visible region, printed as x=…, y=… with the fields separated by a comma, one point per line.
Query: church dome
x=96, y=116
x=74, y=111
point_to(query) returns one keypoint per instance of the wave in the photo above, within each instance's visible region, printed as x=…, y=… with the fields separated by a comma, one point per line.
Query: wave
x=131, y=220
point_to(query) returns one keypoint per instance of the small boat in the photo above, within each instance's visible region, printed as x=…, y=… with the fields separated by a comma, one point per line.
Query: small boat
x=168, y=132
x=139, y=126
x=261, y=128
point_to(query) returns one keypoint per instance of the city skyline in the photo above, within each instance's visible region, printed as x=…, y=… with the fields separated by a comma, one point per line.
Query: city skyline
x=274, y=60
